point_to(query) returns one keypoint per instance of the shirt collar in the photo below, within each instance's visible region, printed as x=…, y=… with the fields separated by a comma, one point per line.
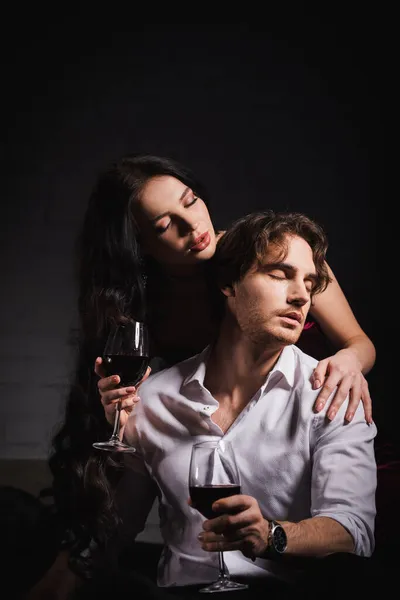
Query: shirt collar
x=199, y=368
x=285, y=365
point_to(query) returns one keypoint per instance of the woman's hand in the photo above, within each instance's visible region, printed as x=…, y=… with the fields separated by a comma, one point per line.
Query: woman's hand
x=343, y=370
x=241, y=526
x=111, y=394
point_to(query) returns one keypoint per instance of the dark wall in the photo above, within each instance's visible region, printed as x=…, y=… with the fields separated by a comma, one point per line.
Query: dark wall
x=286, y=116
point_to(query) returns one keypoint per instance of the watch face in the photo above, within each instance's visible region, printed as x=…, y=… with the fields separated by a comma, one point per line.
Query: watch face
x=280, y=540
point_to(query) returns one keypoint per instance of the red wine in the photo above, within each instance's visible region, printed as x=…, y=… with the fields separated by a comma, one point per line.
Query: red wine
x=203, y=496
x=129, y=367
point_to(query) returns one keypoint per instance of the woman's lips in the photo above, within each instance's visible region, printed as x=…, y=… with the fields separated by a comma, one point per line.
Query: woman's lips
x=201, y=242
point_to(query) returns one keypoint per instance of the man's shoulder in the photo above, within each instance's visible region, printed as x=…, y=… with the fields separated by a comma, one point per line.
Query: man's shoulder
x=303, y=369
x=172, y=376
x=306, y=362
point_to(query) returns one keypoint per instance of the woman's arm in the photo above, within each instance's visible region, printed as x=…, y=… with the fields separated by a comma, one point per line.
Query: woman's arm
x=355, y=356
x=58, y=583
x=336, y=319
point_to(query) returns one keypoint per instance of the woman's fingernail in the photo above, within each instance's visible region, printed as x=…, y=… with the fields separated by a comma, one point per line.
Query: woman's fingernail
x=200, y=537
x=130, y=390
x=349, y=416
x=316, y=384
x=320, y=406
x=115, y=379
x=331, y=414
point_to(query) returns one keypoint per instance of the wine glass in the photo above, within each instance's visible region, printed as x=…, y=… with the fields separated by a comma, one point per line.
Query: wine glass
x=213, y=475
x=126, y=354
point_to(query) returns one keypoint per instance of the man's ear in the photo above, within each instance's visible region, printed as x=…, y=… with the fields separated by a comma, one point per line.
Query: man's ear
x=228, y=291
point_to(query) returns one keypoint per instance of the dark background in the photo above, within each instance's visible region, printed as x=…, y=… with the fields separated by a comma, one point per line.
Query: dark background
x=284, y=111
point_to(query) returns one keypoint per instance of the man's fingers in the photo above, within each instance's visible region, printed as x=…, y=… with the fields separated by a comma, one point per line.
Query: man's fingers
x=216, y=542
x=233, y=504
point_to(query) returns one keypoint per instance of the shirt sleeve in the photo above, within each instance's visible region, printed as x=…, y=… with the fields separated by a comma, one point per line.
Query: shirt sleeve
x=344, y=475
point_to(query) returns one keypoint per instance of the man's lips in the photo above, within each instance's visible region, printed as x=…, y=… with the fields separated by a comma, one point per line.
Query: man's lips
x=201, y=242
x=293, y=316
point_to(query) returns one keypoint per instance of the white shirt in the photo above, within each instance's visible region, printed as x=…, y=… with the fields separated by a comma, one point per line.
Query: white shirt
x=295, y=462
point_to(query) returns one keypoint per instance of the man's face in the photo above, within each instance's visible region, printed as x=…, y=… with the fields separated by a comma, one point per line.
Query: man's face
x=271, y=302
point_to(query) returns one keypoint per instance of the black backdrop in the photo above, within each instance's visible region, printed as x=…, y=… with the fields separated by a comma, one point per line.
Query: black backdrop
x=287, y=115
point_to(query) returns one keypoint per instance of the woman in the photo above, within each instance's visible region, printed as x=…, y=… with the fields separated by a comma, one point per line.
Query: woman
x=146, y=241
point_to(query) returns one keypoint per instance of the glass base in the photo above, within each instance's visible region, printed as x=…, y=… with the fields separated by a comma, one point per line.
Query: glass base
x=114, y=446
x=223, y=585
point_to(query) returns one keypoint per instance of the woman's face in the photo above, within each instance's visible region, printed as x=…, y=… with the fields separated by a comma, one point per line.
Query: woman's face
x=175, y=225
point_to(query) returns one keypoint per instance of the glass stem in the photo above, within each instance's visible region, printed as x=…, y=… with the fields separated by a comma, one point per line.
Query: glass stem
x=222, y=568
x=115, y=436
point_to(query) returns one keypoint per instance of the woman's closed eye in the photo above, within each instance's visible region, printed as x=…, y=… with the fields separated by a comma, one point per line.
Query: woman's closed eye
x=165, y=223
x=162, y=227
x=190, y=201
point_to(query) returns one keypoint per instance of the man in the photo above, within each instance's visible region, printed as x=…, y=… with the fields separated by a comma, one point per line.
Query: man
x=308, y=484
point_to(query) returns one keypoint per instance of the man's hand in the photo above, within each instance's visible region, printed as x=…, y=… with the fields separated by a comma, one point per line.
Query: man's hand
x=241, y=526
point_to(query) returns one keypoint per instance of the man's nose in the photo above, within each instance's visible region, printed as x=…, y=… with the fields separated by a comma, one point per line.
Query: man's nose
x=298, y=294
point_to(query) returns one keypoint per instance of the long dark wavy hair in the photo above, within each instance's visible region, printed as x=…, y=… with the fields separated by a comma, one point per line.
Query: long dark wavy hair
x=113, y=277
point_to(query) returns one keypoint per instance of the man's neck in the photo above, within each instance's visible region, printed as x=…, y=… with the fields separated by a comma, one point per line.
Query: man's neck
x=238, y=367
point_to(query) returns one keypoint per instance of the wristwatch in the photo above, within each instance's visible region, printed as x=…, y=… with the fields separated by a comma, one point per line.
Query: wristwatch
x=277, y=539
